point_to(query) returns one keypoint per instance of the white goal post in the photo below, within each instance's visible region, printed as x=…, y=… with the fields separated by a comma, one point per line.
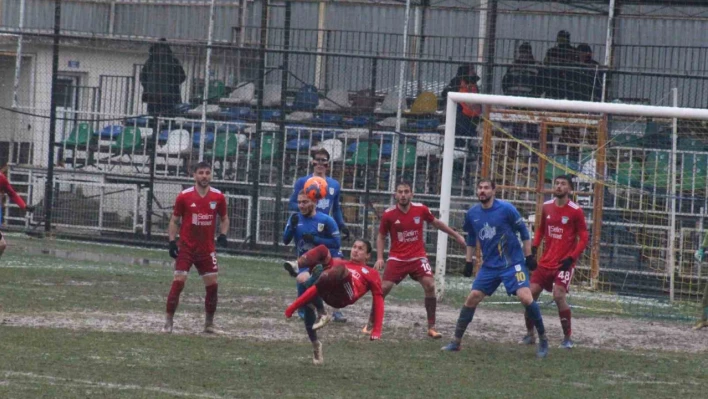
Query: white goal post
x=548, y=105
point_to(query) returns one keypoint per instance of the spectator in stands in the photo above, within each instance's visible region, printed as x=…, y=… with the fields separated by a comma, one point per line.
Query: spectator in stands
x=465, y=81
x=522, y=79
x=588, y=81
x=556, y=77
x=161, y=77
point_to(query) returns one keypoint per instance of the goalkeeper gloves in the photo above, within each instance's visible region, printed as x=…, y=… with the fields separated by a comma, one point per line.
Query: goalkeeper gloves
x=294, y=220
x=468, y=269
x=174, y=249
x=221, y=241
x=531, y=262
x=566, y=264
x=699, y=254
x=345, y=232
x=29, y=208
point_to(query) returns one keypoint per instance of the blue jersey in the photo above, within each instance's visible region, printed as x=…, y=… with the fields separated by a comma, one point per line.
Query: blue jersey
x=329, y=205
x=495, y=229
x=321, y=226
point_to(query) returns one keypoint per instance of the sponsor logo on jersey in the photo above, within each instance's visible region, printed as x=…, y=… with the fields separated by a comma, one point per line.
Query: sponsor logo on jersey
x=548, y=217
x=355, y=274
x=212, y=205
x=193, y=205
x=199, y=219
x=488, y=232
x=323, y=203
x=555, y=232
x=407, y=236
x=416, y=220
x=320, y=227
x=565, y=219
x=397, y=221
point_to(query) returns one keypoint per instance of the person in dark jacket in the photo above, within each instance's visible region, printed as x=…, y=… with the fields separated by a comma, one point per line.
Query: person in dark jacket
x=521, y=78
x=465, y=81
x=161, y=77
x=557, y=79
x=588, y=81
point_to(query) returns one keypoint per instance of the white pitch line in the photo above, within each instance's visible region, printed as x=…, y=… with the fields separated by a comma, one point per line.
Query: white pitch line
x=110, y=385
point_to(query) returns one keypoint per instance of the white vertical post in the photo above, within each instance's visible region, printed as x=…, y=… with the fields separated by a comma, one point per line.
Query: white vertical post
x=207, y=67
x=319, y=69
x=609, y=42
x=399, y=108
x=672, y=220
x=18, y=71
x=482, y=43
x=445, y=192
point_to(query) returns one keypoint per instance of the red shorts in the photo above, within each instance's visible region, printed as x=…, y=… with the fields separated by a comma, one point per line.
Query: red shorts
x=397, y=270
x=205, y=263
x=546, y=278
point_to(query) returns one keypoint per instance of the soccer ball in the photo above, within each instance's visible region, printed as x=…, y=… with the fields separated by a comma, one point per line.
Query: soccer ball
x=315, y=188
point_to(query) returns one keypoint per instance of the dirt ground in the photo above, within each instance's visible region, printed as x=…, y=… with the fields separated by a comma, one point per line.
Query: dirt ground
x=401, y=322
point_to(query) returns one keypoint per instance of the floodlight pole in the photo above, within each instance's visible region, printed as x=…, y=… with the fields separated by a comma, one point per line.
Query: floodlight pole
x=49, y=183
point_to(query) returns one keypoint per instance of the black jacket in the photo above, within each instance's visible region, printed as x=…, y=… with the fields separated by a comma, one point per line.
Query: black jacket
x=161, y=77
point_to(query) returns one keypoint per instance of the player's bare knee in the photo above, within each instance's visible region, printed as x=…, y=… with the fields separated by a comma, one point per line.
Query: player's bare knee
x=428, y=286
x=386, y=287
x=210, y=279
x=559, y=296
x=180, y=276
x=524, y=295
x=474, y=298
x=302, y=277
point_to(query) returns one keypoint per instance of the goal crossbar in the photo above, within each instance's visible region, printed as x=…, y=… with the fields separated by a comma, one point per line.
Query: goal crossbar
x=532, y=103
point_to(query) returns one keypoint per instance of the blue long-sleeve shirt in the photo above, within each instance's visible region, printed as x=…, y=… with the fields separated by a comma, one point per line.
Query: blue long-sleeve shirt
x=322, y=227
x=495, y=229
x=328, y=205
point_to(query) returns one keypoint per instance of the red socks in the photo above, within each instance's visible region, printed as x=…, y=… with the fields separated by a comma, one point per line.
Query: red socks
x=430, y=305
x=565, y=321
x=211, y=298
x=313, y=257
x=173, y=296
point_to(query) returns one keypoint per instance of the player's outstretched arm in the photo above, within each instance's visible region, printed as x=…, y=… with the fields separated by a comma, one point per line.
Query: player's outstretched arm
x=301, y=301
x=7, y=187
x=290, y=228
x=440, y=225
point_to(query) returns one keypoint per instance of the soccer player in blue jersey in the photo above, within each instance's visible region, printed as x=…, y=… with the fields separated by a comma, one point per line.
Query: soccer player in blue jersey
x=309, y=229
x=493, y=225
x=329, y=205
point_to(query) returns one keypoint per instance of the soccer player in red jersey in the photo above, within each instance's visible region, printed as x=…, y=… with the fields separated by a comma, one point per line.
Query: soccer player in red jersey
x=407, y=256
x=341, y=284
x=197, y=208
x=6, y=187
x=565, y=236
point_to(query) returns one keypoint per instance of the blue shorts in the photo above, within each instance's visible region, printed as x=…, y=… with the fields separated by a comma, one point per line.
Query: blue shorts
x=513, y=277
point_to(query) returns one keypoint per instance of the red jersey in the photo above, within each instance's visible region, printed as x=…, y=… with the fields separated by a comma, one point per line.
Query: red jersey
x=360, y=280
x=199, y=218
x=406, y=230
x=564, y=233
x=6, y=187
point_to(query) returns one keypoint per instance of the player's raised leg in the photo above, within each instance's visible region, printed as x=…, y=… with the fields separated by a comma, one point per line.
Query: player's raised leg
x=304, y=302
x=465, y=318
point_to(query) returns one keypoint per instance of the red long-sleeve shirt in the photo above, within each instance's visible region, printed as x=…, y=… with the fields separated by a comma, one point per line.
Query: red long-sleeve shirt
x=359, y=280
x=6, y=187
x=564, y=233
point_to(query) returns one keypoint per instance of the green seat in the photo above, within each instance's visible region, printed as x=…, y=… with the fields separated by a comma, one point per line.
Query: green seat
x=217, y=89
x=80, y=136
x=225, y=146
x=690, y=144
x=694, y=172
x=361, y=154
x=406, y=157
x=552, y=171
x=629, y=174
x=626, y=140
x=129, y=140
x=656, y=170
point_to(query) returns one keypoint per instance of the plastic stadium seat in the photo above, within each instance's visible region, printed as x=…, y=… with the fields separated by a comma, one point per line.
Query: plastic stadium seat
x=336, y=99
x=226, y=145
x=109, y=132
x=178, y=142
x=425, y=103
x=361, y=152
x=334, y=147
x=129, y=141
x=80, y=136
x=429, y=144
x=197, y=136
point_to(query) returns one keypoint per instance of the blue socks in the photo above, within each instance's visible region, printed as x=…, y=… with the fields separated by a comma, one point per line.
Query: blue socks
x=310, y=318
x=534, y=313
x=466, y=315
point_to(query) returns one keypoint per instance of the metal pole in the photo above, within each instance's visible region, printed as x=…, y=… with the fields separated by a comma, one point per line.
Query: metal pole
x=399, y=109
x=49, y=184
x=445, y=192
x=207, y=67
x=256, y=159
x=491, y=47
x=609, y=42
x=482, y=43
x=672, y=219
x=421, y=48
x=319, y=70
x=367, y=171
x=18, y=69
x=281, y=138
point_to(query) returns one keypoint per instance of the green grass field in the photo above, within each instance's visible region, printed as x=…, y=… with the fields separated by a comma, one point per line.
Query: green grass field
x=82, y=320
